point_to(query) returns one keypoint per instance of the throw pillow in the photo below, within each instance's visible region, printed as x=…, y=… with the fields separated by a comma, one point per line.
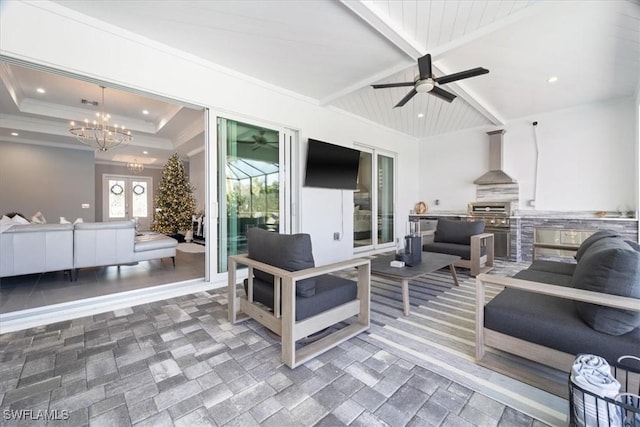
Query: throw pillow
x=291, y=252
x=634, y=245
x=610, y=266
x=602, y=234
x=64, y=220
x=5, y=223
x=458, y=232
x=78, y=221
x=38, y=218
x=20, y=220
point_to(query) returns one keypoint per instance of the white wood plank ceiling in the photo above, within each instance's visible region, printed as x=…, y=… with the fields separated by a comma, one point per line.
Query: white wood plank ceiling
x=332, y=51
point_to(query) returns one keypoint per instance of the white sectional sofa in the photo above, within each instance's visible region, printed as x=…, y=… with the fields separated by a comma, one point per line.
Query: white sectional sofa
x=40, y=248
x=36, y=248
x=112, y=243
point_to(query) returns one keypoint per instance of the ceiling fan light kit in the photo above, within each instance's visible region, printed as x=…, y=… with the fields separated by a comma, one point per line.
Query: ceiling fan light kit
x=426, y=82
x=424, y=86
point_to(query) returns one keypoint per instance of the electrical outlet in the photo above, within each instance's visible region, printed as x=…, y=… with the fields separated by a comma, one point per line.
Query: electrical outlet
x=86, y=206
x=336, y=236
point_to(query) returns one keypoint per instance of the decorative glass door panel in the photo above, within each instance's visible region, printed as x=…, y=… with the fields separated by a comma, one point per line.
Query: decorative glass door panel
x=362, y=203
x=139, y=199
x=128, y=198
x=385, y=199
x=374, y=201
x=117, y=203
x=249, y=195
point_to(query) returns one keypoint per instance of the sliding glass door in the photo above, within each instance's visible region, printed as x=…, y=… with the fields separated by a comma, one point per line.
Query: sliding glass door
x=374, y=200
x=251, y=190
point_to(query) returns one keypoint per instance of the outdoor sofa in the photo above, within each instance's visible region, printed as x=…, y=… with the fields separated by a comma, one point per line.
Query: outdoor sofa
x=553, y=311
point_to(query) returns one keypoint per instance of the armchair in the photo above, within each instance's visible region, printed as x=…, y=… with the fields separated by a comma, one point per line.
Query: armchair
x=465, y=239
x=287, y=294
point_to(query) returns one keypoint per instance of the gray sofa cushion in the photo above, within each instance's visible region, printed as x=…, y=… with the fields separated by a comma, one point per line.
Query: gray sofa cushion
x=610, y=266
x=459, y=232
x=463, y=251
x=291, y=252
x=564, y=268
x=598, y=235
x=536, y=318
x=544, y=277
x=330, y=291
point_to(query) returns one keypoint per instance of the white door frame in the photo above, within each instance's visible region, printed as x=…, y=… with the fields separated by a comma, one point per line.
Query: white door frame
x=128, y=197
x=289, y=220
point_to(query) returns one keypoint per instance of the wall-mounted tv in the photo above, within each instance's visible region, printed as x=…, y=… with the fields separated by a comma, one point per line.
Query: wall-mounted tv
x=331, y=166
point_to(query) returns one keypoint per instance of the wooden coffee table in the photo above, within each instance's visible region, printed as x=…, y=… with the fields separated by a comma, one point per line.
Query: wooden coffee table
x=431, y=262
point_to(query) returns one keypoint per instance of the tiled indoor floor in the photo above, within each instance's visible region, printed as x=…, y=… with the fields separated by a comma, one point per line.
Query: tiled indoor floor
x=179, y=362
x=36, y=290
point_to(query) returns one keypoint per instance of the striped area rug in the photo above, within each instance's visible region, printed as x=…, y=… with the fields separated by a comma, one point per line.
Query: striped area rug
x=439, y=335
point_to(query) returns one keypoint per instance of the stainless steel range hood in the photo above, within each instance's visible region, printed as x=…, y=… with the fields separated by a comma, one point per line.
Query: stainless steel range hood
x=495, y=175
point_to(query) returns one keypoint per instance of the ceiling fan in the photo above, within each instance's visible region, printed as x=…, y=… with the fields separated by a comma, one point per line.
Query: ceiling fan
x=425, y=81
x=260, y=141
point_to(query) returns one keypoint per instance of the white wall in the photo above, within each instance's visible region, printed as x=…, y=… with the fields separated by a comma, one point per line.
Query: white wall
x=447, y=167
x=587, y=160
x=135, y=62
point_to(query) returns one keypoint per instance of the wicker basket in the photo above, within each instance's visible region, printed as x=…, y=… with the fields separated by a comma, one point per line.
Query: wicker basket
x=587, y=409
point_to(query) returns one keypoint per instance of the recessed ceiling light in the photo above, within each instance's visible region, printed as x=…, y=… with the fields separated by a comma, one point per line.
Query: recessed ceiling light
x=40, y=90
x=145, y=112
x=552, y=79
x=421, y=115
x=14, y=133
x=145, y=152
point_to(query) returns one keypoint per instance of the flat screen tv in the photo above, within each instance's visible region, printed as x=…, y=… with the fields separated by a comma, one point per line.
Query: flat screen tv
x=331, y=166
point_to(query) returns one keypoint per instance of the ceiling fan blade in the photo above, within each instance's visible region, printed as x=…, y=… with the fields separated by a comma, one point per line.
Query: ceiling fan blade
x=424, y=66
x=442, y=94
x=461, y=75
x=406, y=98
x=383, y=86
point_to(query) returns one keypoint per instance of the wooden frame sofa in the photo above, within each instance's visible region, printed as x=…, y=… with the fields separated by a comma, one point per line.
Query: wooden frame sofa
x=296, y=304
x=553, y=311
x=465, y=239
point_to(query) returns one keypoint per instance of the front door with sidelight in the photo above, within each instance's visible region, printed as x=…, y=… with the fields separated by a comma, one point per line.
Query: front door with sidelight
x=126, y=198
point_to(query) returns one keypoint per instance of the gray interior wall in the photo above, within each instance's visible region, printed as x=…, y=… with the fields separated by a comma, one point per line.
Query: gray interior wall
x=55, y=181
x=197, y=179
x=117, y=169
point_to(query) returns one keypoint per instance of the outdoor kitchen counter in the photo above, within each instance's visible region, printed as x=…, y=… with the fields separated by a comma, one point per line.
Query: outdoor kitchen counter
x=626, y=227
x=524, y=223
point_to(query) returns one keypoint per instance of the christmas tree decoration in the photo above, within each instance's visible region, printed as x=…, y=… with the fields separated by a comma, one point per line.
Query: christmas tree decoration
x=174, y=201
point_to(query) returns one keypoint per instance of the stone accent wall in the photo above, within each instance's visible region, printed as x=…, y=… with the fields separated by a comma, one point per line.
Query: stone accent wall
x=516, y=240
x=498, y=193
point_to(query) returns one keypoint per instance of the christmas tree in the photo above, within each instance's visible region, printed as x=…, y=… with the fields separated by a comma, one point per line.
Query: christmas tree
x=174, y=202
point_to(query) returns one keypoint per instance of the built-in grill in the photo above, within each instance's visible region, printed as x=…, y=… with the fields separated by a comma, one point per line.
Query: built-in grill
x=496, y=220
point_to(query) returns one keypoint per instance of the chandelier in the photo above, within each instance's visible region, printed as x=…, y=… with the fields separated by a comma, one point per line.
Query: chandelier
x=135, y=166
x=100, y=133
